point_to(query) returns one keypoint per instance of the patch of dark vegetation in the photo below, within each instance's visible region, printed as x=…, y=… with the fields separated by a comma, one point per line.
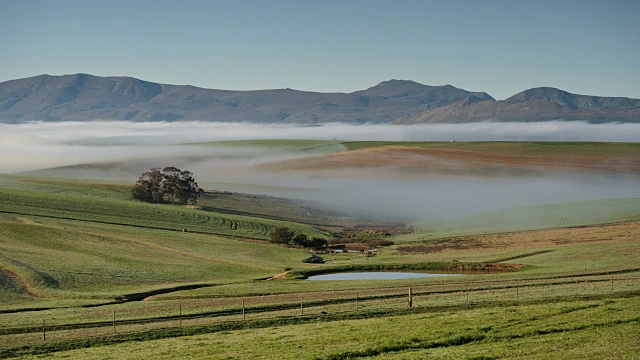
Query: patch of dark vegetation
x=314, y=259
x=286, y=236
x=437, y=245
x=178, y=185
x=368, y=236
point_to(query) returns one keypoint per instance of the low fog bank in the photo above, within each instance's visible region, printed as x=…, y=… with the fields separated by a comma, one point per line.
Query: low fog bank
x=123, y=150
x=31, y=146
x=398, y=198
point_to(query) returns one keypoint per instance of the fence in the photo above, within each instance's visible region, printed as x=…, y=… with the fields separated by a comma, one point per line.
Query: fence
x=133, y=317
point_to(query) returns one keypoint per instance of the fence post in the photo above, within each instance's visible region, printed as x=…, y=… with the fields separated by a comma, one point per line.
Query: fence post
x=301, y=308
x=114, y=321
x=611, y=283
x=357, y=306
x=243, y=314
x=467, y=294
x=410, y=298
x=180, y=315
x=517, y=291
x=44, y=331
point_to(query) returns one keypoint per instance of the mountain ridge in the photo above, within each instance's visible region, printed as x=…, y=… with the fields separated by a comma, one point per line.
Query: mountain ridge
x=85, y=97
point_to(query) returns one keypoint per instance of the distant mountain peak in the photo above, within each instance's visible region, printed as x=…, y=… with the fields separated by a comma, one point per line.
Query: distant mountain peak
x=574, y=101
x=79, y=97
x=395, y=82
x=431, y=96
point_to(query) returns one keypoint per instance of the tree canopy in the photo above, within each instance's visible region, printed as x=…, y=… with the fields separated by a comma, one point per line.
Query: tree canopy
x=175, y=184
x=284, y=235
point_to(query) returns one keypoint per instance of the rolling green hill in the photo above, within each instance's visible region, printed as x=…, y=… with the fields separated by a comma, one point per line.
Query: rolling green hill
x=111, y=205
x=580, y=213
x=81, y=240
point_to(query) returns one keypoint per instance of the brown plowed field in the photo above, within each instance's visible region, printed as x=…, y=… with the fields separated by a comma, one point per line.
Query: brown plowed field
x=537, y=239
x=416, y=159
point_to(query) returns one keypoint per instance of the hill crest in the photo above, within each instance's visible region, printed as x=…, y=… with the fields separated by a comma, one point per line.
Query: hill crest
x=85, y=97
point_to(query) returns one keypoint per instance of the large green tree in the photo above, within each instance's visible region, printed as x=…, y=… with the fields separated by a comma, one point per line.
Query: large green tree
x=177, y=185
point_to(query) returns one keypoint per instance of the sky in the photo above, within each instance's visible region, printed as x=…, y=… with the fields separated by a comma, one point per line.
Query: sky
x=501, y=47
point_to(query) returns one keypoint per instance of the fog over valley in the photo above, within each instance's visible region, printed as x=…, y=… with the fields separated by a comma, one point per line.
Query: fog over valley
x=395, y=183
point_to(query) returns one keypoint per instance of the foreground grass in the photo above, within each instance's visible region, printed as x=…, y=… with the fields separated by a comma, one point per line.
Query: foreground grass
x=576, y=328
x=73, y=259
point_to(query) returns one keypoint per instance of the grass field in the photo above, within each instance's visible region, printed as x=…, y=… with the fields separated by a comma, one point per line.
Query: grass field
x=280, y=146
x=559, y=149
x=111, y=205
x=580, y=213
x=568, y=330
x=87, y=273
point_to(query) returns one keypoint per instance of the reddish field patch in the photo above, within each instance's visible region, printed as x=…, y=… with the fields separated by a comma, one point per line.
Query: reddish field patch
x=430, y=160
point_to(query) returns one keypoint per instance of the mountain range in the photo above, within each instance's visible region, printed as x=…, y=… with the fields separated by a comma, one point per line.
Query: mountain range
x=83, y=97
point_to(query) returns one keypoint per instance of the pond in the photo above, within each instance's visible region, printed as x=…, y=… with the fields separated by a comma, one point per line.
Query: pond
x=375, y=275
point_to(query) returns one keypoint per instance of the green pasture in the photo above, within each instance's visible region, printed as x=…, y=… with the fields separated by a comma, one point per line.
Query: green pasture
x=515, y=147
x=500, y=147
x=83, y=187
x=559, y=215
x=66, y=245
x=60, y=258
x=111, y=206
x=563, y=329
x=288, y=146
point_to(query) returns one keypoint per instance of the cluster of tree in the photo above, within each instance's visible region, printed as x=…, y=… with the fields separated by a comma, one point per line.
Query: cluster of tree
x=284, y=235
x=177, y=185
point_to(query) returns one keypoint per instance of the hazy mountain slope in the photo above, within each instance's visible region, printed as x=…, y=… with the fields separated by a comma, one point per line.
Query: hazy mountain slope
x=82, y=97
x=538, y=104
x=87, y=97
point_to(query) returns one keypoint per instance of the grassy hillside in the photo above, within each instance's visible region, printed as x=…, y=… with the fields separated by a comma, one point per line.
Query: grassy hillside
x=76, y=240
x=501, y=147
x=514, y=147
x=51, y=256
x=110, y=204
x=281, y=146
x=69, y=249
x=560, y=215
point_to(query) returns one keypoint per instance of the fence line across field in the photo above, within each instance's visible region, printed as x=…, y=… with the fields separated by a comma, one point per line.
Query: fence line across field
x=321, y=303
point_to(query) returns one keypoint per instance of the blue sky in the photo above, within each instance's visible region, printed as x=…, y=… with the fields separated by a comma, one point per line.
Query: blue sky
x=501, y=47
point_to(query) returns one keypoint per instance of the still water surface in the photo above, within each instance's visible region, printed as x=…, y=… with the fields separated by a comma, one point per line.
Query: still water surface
x=377, y=275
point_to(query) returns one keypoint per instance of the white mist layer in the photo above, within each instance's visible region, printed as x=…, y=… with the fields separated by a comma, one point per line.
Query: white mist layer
x=33, y=146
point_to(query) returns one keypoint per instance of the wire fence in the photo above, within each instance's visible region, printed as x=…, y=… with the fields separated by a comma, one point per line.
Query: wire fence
x=156, y=315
